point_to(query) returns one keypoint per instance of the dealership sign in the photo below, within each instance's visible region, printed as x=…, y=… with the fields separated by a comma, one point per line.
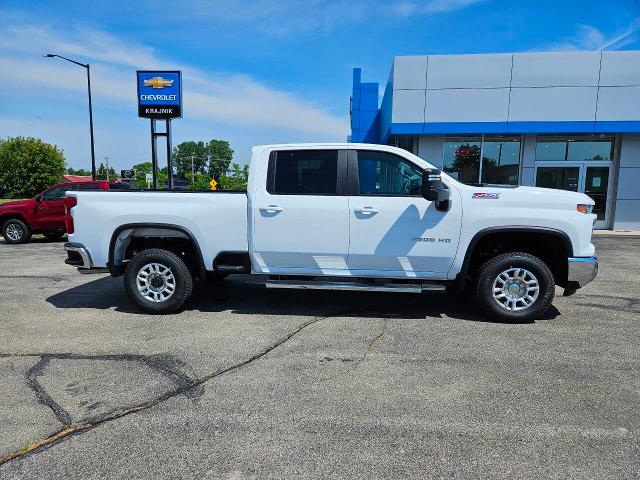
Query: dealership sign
x=159, y=94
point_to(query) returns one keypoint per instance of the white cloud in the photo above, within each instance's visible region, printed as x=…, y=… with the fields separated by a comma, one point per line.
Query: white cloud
x=437, y=6
x=590, y=38
x=409, y=8
x=220, y=97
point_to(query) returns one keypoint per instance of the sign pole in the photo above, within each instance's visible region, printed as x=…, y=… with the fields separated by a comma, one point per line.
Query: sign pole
x=169, y=165
x=154, y=155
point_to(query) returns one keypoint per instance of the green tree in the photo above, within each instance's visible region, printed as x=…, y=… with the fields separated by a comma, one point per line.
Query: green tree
x=185, y=153
x=78, y=171
x=200, y=182
x=141, y=175
x=212, y=158
x=236, y=179
x=28, y=166
x=220, y=155
x=101, y=173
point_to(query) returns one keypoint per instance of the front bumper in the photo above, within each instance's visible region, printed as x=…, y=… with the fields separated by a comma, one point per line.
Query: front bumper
x=78, y=256
x=582, y=270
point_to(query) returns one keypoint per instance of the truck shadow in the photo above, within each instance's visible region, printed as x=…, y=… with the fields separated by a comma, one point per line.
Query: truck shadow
x=248, y=296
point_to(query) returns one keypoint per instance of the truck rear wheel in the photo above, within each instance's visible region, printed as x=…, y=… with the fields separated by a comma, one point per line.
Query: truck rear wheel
x=158, y=281
x=515, y=287
x=15, y=231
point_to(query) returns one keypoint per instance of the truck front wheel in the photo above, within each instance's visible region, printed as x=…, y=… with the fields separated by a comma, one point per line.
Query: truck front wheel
x=515, y=287
x=158, y=281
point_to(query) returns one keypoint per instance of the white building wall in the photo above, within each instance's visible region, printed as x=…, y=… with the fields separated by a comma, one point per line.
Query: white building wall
x=518, y=87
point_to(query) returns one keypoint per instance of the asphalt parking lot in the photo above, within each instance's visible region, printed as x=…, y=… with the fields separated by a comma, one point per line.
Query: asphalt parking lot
x=250, y=383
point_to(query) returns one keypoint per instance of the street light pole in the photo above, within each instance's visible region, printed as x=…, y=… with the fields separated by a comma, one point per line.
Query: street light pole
x=93, y=150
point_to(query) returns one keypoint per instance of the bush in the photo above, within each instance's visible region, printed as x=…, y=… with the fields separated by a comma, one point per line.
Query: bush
x=28, y=166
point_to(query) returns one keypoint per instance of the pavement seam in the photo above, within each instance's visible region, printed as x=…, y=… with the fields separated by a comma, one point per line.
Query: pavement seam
x=72, y=430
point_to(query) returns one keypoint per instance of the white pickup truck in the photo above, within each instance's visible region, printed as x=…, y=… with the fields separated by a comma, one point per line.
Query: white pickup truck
x=342, y=216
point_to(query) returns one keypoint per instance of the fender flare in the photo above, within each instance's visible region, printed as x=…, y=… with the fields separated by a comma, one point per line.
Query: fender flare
x=462, y=276
x=116, y=270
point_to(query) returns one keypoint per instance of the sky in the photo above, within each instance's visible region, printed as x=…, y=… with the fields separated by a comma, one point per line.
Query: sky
x=254, y=72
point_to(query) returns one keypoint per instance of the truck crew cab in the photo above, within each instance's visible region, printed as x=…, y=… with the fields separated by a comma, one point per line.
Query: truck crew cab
x=342, y=216
x=44, y=213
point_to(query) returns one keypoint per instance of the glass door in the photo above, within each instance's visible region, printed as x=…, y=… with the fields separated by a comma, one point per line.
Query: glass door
x=592, y=180
x=596, y=185
x=561, y=178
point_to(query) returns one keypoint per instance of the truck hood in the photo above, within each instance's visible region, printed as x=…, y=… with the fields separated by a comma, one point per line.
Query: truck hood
x=561, y=195
x=17, y=203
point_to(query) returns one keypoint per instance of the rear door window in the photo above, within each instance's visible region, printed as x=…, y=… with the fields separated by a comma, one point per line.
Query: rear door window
x=303, y=172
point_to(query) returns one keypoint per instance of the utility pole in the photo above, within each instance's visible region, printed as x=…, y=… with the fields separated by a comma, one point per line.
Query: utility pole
x=106, y=160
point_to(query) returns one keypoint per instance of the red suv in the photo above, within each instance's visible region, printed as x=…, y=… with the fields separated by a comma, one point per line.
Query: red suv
x=44, y=213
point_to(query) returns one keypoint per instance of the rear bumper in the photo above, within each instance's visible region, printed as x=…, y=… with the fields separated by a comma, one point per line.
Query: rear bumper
x=582, y=270
x=78, y=256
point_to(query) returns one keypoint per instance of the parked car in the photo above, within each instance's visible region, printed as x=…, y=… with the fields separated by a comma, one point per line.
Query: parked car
x=44, y=213
x=342, y=217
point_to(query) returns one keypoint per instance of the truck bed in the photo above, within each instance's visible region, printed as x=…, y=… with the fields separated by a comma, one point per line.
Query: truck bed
x=217, y=220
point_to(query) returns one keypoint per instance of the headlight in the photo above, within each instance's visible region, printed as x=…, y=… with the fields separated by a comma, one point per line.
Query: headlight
x=583, y=208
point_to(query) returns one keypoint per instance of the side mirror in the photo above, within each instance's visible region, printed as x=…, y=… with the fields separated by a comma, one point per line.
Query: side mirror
x=38, y=198
x=434, y=190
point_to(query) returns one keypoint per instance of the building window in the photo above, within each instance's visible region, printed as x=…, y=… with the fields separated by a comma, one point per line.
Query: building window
x=500, y=159
x=576, y=148
x=406, y=142
x=462, y=158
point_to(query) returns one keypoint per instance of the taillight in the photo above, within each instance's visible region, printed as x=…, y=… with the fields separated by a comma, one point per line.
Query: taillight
x=69, y=203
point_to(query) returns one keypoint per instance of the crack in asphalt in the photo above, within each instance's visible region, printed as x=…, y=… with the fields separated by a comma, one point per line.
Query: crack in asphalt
x=41, y=393
x=356, y=364
x=71, y=429
x=160, y=363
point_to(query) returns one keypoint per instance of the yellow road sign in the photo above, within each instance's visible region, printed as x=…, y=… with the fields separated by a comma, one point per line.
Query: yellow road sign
x=214, y=184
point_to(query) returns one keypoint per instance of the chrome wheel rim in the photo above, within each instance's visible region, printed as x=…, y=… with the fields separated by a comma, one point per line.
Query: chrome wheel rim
x=516, y=289
x=156, y=282
x=14, y=231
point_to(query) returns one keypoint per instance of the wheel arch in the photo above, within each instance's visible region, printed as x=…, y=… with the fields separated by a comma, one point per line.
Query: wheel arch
x=11, y=216
x=118, y=245
x=512, y=233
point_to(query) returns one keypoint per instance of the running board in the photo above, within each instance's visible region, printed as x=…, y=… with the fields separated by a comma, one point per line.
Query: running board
x=357, y=286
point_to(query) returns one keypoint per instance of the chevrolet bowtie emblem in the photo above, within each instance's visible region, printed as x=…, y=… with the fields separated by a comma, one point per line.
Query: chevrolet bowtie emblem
x=158, y=82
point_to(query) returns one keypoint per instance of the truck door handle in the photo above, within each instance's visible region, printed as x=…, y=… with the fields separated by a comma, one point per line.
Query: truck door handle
x=366, y=210
x=272, y=208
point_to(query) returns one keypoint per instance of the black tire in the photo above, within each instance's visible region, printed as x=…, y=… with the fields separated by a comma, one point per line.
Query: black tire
x=526, y=309
x=15, y=231
x=53, y=236
x=182, y=281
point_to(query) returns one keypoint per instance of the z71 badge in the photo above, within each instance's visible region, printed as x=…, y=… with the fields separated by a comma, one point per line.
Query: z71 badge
x=486, y=196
